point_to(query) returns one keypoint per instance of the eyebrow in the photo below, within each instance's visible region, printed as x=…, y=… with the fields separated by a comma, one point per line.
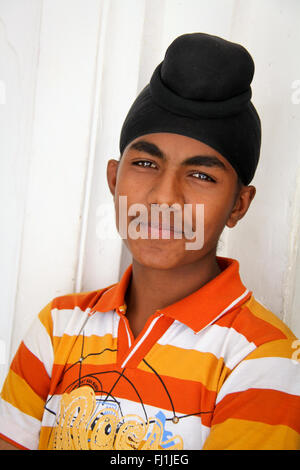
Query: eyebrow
x=198, y=160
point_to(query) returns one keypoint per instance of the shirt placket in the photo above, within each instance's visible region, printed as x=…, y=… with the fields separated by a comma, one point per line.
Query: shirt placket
x=131, y=350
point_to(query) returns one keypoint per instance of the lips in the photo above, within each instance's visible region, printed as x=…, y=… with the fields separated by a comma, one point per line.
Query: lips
x=160, y=230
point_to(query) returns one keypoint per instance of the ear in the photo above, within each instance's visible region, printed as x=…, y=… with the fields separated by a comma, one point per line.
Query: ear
x=111, y=174
x=242, y=203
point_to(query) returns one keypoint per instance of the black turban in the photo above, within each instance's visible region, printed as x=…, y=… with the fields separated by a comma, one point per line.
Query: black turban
x=202, y=90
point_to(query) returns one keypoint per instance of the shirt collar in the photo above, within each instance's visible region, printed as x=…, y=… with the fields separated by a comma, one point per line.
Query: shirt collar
x=199, y=309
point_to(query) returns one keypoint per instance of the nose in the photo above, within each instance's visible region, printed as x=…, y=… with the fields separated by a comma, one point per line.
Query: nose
x=166, y=190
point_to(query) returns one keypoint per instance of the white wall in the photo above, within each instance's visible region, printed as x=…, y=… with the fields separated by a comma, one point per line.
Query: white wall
x=69, y=70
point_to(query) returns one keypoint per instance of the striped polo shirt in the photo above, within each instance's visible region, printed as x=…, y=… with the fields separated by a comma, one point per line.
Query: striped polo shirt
x=214, y=370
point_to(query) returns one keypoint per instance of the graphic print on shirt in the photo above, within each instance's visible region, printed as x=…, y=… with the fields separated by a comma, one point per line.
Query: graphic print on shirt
x=90, y=414
x=85, y=422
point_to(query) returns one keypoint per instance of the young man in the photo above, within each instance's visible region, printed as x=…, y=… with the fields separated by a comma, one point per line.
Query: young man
x=179, y=354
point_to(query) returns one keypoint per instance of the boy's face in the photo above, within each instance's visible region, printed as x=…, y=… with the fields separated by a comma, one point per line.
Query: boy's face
x=167, y=168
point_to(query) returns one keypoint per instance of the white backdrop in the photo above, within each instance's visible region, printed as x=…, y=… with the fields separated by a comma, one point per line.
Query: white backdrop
x=69, y=70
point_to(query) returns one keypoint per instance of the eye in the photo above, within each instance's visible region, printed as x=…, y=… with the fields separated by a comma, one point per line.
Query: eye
x=203, y=176
x=144, y=164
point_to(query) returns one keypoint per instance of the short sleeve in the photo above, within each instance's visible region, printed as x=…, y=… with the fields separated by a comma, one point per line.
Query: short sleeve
x=26, y=387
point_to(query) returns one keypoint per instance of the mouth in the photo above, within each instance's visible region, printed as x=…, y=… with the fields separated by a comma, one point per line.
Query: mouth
x=156, y=231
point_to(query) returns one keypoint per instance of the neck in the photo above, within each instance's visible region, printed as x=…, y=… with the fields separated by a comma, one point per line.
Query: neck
x=152, y=289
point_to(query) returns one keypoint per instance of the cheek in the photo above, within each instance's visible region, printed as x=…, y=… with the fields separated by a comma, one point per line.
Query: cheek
x=129, y=185
x=213, y=215
x=127, y=208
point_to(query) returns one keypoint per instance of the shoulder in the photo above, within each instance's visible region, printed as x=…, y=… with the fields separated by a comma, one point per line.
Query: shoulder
x=69, y=309
x=81, y=300
x=265, y=333
x=266, y=324
x=257, y=330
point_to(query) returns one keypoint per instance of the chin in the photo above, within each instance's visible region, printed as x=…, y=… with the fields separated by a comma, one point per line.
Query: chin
x=157, y=263
x=159, y=256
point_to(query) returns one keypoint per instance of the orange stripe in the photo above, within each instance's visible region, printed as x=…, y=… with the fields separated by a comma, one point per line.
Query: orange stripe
x=267, y=406
x=32, y=370
x=256, y=330
x=186, y=396
x=83, y=300
x=143, y=387
x=258, y=310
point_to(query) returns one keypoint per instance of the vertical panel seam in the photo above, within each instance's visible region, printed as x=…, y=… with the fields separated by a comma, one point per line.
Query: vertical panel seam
x=289, y=280
x=20, y=250
x=94, y=129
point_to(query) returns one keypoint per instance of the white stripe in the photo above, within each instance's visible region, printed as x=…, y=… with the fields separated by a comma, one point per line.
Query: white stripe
x=67, y=321
x=72, y=321
x=52, y=406
x=101, y=324
x=19, y=427
x=218, y=340
x=128, y=335
x=275, y=373
x=147, y=332
x=38, y=341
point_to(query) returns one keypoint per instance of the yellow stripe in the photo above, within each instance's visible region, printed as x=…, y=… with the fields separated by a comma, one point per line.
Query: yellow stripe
x=263, y=313
x=45, y=318
x=279, y=348
x=176, y=362
x=238, y=434
x=68, y=349
x=24, y=398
